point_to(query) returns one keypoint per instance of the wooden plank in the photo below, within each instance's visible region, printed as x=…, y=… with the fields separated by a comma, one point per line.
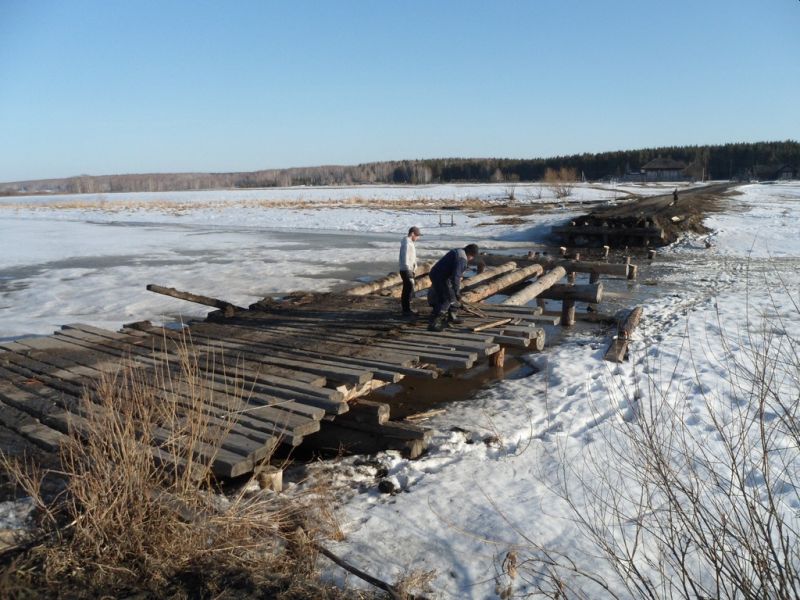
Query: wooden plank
x=366, y=411
x=256, y=444
x=472, y=347
x=30, y=427
x=331, y=371
x=320, y=342
x=173, y=354
x=384, y=371
x=261, y=423
x=287, y=400
x=48, y=406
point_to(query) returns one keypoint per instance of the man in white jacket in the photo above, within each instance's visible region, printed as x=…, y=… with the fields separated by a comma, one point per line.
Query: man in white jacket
x=408, y=264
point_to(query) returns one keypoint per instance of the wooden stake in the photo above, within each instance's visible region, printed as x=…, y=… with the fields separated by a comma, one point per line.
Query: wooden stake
x=498, y=359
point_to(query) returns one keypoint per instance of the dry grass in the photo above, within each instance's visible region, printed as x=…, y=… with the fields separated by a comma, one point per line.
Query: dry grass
x=177, y=207
x=130, y=523
x=561, y=181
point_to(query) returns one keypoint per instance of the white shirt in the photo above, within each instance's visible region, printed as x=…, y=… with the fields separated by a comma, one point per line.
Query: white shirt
x=408, y=255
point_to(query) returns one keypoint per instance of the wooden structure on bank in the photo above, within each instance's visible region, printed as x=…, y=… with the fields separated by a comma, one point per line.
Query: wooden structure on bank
x=281, y=372
x=615, y=233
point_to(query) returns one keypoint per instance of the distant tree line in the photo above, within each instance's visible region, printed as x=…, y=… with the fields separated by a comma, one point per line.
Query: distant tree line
x=726, y=161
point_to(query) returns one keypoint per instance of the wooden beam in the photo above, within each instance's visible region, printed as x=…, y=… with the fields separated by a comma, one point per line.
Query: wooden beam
x=228, y=308
x=536, y=288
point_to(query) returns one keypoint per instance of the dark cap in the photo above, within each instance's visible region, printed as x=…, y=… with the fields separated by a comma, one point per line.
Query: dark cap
x=414, y=230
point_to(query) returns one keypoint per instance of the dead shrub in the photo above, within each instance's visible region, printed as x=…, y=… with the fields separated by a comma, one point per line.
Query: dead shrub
x=560, y=181
x=134, y=520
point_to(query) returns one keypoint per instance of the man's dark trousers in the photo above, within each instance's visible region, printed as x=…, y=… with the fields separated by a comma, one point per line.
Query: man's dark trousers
x=408, y=290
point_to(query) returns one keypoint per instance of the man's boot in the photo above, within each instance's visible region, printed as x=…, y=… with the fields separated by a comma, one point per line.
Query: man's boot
x=436, y=324
x=452, y=318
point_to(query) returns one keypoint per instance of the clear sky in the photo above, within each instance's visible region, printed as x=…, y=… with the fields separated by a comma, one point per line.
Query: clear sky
x=106, y=86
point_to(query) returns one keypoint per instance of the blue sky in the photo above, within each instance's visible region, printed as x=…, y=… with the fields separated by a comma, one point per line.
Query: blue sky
x=102, y=87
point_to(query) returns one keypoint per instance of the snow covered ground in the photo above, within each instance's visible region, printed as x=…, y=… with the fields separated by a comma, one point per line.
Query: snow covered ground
x=89, y=257
x=488, y=491
x=486, y=496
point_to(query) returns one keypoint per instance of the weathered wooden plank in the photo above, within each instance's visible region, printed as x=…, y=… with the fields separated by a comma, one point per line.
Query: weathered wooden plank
x=286, y=400
x=261, y=422
x=61, y=412
x=254, y=363
x=476, y=347
x=153, y=344
x=380, y=370
x=331, y=371
x=29, y=427
x=196, y=298
x=257, y=444
x=224, y=463
x=321, y=344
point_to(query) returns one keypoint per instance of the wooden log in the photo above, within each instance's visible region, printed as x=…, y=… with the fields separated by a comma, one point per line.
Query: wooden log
x=572, y=274
x=619, y=345
x=568, y=313
x=496, y=285
x=469, y=283
x=270, y=478
x=618, y=270
x=390, y=280
x=536, y=288
x=228, y=308
x=580, y=293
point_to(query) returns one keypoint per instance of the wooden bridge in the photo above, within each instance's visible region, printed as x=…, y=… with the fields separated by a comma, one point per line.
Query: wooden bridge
x=290, y=370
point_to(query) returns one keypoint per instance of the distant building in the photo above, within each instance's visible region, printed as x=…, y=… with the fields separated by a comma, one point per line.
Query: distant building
x=772, y=172
x=658, y=169
x=664, y=169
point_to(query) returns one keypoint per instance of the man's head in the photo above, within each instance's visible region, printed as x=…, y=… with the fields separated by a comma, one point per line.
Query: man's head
x=414, y=233
x=472, y=251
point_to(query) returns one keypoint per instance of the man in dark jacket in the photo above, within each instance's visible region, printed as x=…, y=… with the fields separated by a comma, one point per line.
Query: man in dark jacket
x=445, y=289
